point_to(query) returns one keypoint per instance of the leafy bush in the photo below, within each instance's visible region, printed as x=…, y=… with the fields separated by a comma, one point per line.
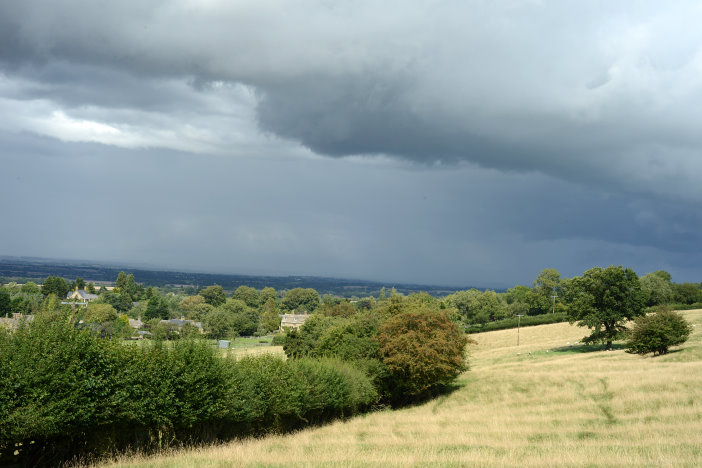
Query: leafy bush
x=66, y=393
x=423, y=351
x=657, y=332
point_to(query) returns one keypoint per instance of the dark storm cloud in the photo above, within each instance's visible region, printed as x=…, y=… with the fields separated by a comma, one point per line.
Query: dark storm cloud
x=521, y=134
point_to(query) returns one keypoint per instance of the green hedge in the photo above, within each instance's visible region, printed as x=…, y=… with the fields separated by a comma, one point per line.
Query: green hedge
x=526, y=321
x=66, y=394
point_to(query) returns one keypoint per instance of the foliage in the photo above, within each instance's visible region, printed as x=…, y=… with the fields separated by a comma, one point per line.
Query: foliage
x=657, y=332
x=687, y=293
x=219, y=324
x=247, y=294
x=270, y=320
x=195, y=307
x=214, y=295
x=99, y=313
x=301, y=300
x=477, y=307
x=423, y=351
x=5, y=303
x=657, y=289
x=30, y=287
x=546, y=285
x=65, y=393
x=54, y=285
x=156, y=307
x=267, y=293
x=603, y=299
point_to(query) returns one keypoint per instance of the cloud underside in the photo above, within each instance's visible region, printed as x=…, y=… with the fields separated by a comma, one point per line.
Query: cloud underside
x=584, y=116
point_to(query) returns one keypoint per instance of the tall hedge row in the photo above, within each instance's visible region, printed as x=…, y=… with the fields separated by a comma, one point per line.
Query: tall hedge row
x=65, y=394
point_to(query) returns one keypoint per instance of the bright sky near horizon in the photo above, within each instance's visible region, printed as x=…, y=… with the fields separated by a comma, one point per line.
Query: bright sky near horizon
x=440, y=142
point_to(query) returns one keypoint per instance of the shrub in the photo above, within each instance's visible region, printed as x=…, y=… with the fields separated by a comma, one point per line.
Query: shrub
x=423, y=351
x=657, y=332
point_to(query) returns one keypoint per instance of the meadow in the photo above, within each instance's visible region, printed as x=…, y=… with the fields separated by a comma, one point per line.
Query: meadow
x=550, y=401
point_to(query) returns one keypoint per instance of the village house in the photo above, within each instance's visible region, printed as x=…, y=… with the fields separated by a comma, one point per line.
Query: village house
x=81, y=295
x=292, y=321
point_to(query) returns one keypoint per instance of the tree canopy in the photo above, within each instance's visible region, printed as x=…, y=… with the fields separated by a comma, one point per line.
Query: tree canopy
x=603, y=299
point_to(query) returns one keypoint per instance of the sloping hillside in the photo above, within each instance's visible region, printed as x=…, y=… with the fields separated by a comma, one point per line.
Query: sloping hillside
x=548, y=402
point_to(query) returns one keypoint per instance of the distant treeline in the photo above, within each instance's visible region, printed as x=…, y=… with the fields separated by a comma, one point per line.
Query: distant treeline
x=12, y=269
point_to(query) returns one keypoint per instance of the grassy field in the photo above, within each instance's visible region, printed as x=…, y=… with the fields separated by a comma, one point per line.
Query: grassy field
x=548, y=402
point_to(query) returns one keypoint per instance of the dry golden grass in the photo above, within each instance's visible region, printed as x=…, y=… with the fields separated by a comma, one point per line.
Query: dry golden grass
x=543, y=403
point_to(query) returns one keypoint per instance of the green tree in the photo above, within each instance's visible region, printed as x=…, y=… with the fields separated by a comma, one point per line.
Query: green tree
x=657, y=289
x=687, y=293
x=249, y=295
x=99, y=313
x=477, y=307
x=603, y=299
x=301, y=300
x=90, y=287
x=195, y=307
x=214, y=295
x=657, y=332
x=121, y=280
x=54, y=285
x=270, y=320
x=30, y=287
x=423, y=351
x=268, y=293
x=546, y=285
x=156, y=308
x=5, y=303
x=79, y=282
x=219, y=324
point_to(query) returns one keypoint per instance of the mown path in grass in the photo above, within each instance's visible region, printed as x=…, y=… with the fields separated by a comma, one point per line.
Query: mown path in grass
x=548, y=402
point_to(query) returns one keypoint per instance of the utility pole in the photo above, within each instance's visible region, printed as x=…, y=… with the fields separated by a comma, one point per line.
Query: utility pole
x=519, y=321
x=554, y=303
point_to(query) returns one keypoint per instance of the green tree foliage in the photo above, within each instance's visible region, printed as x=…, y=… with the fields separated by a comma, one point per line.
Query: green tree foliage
x=195, y=307
x=156, y=308
x=249, y=295
x=79, y=283
x=423, y=351
x=219, y=324
x=687, y=293
x=122, y=302
x=244, y=319
x=99, y=313
x=5, y=303
x=546, y=285
x=301, y=300
x=657, y=289
x=603, y=299
x=268, y=293
x=270, y=320
x=30, y=287
x=54, y=285
x=657, y=332
x=214, y=295
x=90, y=288
x=477, y=307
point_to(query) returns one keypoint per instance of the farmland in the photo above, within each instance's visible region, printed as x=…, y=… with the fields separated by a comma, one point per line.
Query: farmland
x=549, y=402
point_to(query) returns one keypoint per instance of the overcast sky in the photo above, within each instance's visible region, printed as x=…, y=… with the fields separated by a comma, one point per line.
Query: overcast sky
x=466, y=143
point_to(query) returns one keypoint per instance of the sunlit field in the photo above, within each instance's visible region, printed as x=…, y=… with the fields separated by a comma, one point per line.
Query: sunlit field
x=549, y=402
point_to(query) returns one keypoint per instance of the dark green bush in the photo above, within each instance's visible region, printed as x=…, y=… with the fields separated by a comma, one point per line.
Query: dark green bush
x=657, y=332
x=66, y=393
x=423, y=351
x=278, y=339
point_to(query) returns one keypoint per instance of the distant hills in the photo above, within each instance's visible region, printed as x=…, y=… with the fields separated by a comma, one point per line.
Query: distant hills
x=37, y=269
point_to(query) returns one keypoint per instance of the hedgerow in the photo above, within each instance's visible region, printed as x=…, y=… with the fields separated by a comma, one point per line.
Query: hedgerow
x=65, y=393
